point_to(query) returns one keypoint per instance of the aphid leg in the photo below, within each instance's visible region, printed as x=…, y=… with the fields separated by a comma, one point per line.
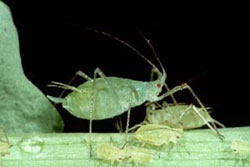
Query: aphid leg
x=172, y=95
x=136, y=126
x=186, y=86
x=186, y=111
x=102, y=76
x=218, y=123
x=83, y=75
x=91, y=110
x=118, y=125
x=132, y=91
x=126, y=131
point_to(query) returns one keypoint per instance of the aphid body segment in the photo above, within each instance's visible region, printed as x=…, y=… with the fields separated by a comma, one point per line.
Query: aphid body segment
x=157, y=135
x=183, y=116
x=115, y=154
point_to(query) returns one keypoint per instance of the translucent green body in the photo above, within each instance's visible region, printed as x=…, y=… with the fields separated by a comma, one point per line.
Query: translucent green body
x=111, y=97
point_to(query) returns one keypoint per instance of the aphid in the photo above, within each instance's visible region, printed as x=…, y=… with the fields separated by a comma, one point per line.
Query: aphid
x=241, y=147
x=111, y=153
x=115, y=154
x=185, y=116
x=105, y=97
x=157, y=135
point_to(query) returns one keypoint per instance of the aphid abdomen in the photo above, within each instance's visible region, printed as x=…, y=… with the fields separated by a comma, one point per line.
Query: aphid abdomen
x=110, y=100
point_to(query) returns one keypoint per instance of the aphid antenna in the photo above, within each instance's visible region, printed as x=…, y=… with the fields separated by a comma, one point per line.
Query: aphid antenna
x=162, y=75
x=161, y=65
x=132, y=48
x=155, y=54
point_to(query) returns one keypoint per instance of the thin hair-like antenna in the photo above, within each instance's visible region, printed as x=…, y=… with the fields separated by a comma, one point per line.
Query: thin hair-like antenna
x=128, y=45
x=154, y=52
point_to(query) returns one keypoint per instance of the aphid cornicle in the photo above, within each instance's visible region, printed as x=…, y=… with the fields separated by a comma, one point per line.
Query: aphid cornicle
x=178, y=116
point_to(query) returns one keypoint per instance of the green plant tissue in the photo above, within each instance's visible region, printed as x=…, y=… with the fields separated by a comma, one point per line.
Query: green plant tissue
x=23, y=107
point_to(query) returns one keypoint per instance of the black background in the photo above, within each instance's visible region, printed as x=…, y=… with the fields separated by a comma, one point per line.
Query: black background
x=205, y=47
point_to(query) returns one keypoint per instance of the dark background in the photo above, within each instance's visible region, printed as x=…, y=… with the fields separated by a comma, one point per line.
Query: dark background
x=205, y=47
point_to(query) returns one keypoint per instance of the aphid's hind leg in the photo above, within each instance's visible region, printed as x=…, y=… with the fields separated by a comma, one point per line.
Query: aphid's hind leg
x=186, y=86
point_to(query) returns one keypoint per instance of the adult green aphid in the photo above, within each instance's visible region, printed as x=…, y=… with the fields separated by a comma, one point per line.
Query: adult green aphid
x=114, y=154
x=185, y=116
x=106, y=97
x=157, y=135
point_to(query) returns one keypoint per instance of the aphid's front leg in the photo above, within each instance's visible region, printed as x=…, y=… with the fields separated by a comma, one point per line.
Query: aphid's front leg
x=186, y=86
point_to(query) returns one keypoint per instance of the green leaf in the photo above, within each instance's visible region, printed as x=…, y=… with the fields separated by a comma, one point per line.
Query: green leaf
x=23, y=107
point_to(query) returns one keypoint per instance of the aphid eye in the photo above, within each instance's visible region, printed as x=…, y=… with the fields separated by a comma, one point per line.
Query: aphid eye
x=158, y=85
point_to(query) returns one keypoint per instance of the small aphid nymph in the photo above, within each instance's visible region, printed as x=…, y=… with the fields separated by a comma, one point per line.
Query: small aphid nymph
x=241, y=147
x=114, y=154
x=185, y=116
x=157, y=135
